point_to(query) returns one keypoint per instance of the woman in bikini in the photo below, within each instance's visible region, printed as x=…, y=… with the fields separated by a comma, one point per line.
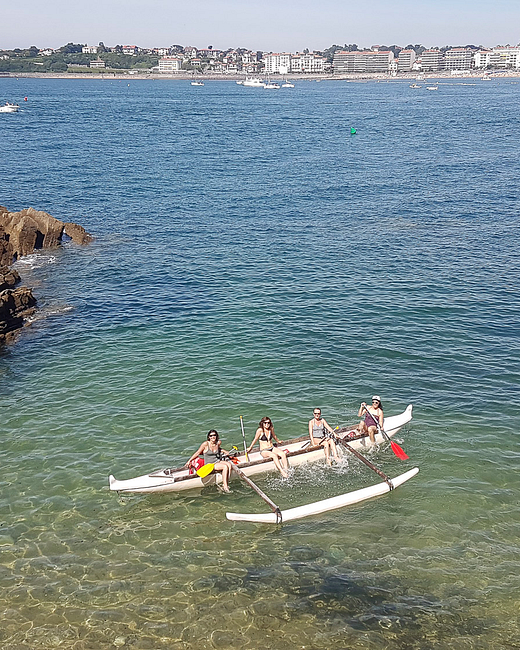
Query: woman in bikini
x=373, y=415
x=213, y=452
x=267, y=437
x=317, y=427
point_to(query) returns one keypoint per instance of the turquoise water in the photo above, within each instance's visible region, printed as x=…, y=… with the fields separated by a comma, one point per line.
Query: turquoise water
x=252, y=258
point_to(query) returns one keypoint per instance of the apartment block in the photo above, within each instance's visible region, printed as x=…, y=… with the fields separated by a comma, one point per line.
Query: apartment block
x=498, y=58
x=406, y=60
x=459, y=58
x=277, y=63
x=432, y=60
x=170, y=64
x=363, y=61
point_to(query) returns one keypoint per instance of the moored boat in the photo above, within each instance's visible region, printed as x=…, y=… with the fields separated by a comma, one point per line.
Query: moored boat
x=298, y=450
x=9, y=108
x=253, y=82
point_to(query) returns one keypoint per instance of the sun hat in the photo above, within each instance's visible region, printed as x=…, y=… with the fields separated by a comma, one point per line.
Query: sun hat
x=376, y=397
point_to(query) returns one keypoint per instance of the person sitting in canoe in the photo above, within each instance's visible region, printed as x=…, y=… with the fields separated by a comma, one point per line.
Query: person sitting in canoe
x=267, y=437
x=373, y=415
x=317, y=428
x=213, y=452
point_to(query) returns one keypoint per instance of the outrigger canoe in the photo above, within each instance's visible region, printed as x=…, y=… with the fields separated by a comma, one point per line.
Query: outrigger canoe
x=299, y=452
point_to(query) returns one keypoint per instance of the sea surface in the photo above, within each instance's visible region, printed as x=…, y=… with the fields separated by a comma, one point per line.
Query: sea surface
x=251, y=257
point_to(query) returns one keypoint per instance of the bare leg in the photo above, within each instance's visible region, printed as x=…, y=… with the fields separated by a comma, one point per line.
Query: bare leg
x=372, y=434
x=326, y=446
x=275, y=459
x=283, y=458
x=224, y=468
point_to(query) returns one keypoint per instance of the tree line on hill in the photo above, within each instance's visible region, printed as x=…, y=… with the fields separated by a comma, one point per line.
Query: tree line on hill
x=70, y=56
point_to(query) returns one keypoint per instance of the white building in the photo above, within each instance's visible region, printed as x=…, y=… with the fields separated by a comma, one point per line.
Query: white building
x=459, y=58
x=406, y=60
x=98, y=63
x=89, y=49
x=170, y=64
x=277, y=63
x=132, y=50
x=432, y=60
x=499, y=58
x=314, y=63
x=363, y=61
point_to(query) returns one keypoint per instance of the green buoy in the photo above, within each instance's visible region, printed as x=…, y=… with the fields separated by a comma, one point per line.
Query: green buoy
x=352, y=131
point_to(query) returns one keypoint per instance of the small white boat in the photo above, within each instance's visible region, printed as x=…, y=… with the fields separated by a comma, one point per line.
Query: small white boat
x=271, y=85
x=9, y=108
x=432, y=87
x=197, y=83
x=318, y=507
x=287, y=84
x=253, y=82
x=415, y=86
x=299, y=452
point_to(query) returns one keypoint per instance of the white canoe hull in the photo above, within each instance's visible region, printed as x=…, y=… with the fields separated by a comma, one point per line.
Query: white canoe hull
x=180, y=479
x=323, y=506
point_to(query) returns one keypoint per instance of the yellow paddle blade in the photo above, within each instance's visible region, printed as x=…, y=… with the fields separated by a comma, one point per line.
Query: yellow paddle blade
x=205, y=470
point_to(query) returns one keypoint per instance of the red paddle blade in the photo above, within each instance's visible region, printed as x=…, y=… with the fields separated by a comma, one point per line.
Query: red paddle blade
x=398, y=451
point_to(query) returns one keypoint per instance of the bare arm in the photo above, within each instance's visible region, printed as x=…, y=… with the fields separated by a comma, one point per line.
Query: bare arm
x=326, y=425
x=361, y=409
x=257, y=435
x=199, y=451
x=313, y=442
x=381, y=418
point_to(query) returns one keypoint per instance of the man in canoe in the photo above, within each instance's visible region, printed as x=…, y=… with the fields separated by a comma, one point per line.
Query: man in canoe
x=213, y=452
x=317, y=428
x=373, y=415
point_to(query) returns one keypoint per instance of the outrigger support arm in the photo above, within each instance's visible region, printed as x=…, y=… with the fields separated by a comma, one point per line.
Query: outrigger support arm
x=261, y=494
x=362, y=459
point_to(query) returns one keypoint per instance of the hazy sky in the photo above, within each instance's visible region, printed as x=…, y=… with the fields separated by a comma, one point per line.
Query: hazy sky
x=270, y=25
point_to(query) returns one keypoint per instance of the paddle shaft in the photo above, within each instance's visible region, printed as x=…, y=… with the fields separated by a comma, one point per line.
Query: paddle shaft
x=244, y=438
x=398, y=451
x=363, y=460
x=261, y=494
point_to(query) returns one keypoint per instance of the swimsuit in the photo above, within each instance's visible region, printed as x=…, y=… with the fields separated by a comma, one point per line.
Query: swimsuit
x=318, y=432
x=370, y=420
x=211, y=456
x=264, y=438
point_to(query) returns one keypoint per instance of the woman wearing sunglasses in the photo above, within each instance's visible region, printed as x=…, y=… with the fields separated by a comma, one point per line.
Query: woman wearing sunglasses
x=317, y=428
x=213, y=452
x=267, y=438
x=373, y=415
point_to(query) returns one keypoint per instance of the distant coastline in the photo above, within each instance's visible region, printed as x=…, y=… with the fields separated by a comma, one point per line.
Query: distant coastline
x=369, y=76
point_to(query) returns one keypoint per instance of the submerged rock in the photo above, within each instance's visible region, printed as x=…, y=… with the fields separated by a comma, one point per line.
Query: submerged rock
x=21, y=233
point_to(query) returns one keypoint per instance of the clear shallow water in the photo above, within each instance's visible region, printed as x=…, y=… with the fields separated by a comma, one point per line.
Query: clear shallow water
x=252, y=258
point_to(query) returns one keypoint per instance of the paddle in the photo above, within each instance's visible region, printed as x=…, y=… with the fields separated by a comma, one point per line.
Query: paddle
x=398, y=451
x=205, y=470
x=362, y=459
x=244, y=438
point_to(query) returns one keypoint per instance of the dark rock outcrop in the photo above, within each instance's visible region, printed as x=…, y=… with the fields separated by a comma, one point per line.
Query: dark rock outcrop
x=21, y=233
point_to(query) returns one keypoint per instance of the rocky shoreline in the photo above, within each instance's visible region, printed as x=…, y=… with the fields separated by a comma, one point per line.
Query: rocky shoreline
x=21, y=233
